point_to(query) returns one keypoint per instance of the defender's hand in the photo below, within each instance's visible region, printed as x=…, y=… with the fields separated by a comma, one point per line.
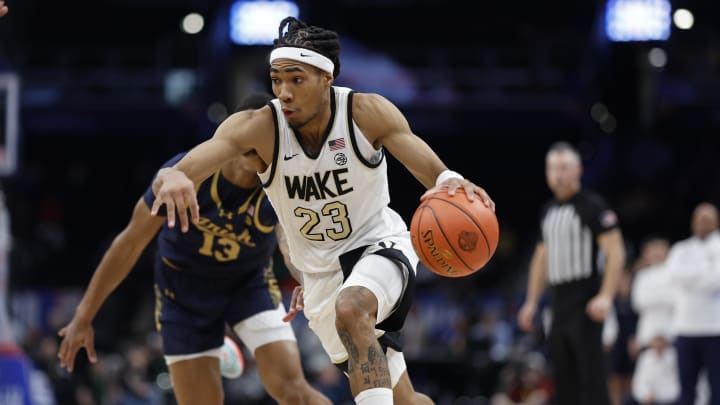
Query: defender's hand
x=297, y=304
x=76, y=334
x=176, y=191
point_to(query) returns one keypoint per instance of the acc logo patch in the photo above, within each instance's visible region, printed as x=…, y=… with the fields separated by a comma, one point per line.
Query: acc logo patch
x=341, y=159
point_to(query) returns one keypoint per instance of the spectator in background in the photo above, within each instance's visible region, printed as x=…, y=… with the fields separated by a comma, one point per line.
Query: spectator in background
x=489, y=341
x=526, y=383
x=138, y=383
x=3, y=8
x=693, y=266
x=14, y=366
x=576, y=226
x=651, y=292
x=20, y=382
x=655, y=381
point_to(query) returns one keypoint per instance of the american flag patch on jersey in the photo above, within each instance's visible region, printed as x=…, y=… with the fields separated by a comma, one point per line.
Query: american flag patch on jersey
x=336, y=144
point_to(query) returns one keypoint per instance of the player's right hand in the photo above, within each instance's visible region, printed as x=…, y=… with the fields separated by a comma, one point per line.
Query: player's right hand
x=176, y=191
x=297, y=304
x=472, y=191
x=3, y=8
x=75, y=335
x=526, y=316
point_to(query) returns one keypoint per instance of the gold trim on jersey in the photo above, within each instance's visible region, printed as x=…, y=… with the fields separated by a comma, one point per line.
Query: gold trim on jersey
x=158, y=303
x=215, y=194
x=272, y=284
x=214, y=189
x=158, y=308
x=256, y=215
x=170, y=264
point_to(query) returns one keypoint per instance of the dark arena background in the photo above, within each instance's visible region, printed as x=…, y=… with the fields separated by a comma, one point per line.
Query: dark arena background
x=96, y=95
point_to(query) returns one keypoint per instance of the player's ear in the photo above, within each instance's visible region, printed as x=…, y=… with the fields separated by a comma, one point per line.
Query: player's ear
x=328, y=77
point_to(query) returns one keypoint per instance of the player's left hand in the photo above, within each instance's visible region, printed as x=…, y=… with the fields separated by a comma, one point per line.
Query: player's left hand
x=297, y=304
x=471, y=190
x=76, y=335
x=599, y=307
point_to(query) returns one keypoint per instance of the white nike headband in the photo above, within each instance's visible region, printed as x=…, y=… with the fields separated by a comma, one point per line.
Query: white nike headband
x=303, y=55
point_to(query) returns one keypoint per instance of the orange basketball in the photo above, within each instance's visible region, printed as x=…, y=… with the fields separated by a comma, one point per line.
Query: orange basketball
x=453, y=236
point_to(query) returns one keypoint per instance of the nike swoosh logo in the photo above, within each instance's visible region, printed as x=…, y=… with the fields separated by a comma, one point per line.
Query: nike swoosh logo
x=305, y=55
x=286, y=157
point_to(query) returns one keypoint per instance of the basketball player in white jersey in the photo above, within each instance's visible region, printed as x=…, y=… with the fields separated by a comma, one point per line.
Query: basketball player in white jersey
x=322, y=162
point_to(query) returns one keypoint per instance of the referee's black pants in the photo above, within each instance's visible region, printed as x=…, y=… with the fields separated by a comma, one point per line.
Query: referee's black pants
x=578, y=360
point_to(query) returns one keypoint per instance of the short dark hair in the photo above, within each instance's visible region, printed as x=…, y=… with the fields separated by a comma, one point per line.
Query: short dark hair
x=301, y=35
x=563, y=146
x=653, y=237
x=253, y=101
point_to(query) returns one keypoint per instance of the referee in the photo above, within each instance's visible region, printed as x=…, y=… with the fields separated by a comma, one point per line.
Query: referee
x=581, y=256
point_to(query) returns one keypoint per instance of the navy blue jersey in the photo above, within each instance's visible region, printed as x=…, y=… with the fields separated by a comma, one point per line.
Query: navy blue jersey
x=235, y=232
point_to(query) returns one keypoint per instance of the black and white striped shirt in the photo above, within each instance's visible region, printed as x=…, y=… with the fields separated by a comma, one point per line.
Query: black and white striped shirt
x=569, y=232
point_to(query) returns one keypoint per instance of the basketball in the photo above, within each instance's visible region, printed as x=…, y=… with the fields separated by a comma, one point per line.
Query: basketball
x=453, y=236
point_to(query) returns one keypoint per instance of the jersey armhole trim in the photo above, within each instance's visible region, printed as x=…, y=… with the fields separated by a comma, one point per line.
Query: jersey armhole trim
x=351, y=131
x=276, y=148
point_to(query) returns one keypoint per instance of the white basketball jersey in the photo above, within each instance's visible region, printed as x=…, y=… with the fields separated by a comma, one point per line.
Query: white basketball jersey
x=333, y=202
